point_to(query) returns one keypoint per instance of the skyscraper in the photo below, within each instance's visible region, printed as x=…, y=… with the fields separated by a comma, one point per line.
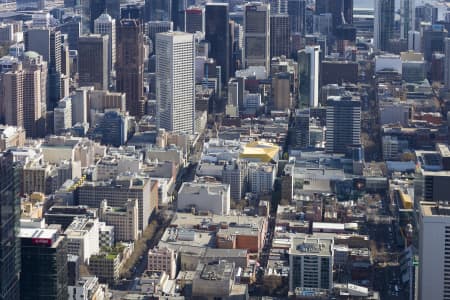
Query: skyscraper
x=98, y=7
x=407, y=17
x=10, y=216
x=257, y=35
x=34, y=94
x=218, y=35
x=447, y=64
x=43, y=264
x=297, y=17
x=158, y=10
x=25, y=88
x=308, y=76
x=175, y=81
x=93, y=61
x=433, y=40
x=194, y=19
x=177, y=14
x=343, y=124
x=383, y=23
x=280, y=35
x=47, y=42
x=302, y=117
x=12, y=86
x=434, y=258
x=278, y=6
x=130, y=64
x=105, y=25
x=155, y=27
x=341, y=10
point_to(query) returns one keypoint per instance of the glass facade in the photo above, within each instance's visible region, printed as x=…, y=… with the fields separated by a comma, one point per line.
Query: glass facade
x=9, y=223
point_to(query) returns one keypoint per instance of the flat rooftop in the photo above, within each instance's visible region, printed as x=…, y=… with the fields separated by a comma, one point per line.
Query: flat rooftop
x=188, y=220
x=310, y=245
x=430, y=209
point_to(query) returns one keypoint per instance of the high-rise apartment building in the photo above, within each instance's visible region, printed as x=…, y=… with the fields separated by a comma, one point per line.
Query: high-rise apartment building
x=93, y=61
x=105, y=25
x=343, y=124
x=130, y=64
x=308, y=76
x=383, y=23
x=257, y=35
x=311, y=263
x=9, y=225
x=280, y=35
x=175, y=81
x=12, y=86
x=218, y=35
x=43, y=264
x=25, y=89
x=194, y=19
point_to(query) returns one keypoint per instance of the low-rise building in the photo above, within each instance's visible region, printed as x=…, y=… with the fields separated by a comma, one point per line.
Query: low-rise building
x=162, y=260
x=106, y=266
x=216, y=280
x=87, y=288
x=206, y=197
x=83, y=238
x=124, y=219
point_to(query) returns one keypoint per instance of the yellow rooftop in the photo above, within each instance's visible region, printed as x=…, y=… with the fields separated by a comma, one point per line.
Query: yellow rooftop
x=260, y=151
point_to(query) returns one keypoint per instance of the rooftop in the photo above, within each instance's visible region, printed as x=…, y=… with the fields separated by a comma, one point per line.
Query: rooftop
x=216, y=271
x=432, y=209
x=311, y=245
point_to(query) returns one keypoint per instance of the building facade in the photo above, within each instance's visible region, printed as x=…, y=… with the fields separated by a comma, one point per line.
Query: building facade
x=43, y=264
x=175, y=81
x=343, y=124
x=9, y=225
x=311, y=263
x=257, y=35
x=130, y=64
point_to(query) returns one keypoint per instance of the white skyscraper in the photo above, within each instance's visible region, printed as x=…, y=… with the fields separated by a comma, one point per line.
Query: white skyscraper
x=407, y=17
x=175, y=81
x=106, y=25
x=308, y=69
x=434, y=249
